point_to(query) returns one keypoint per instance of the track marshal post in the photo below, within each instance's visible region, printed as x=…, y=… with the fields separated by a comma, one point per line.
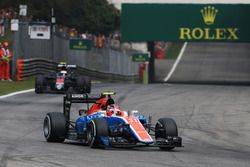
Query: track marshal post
x=143, y=58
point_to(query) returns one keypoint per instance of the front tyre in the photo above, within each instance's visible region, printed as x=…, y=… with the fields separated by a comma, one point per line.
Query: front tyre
x=54, y=127
x=166, y=127
x=39, y=84
x=83, y=84
x=97, y=128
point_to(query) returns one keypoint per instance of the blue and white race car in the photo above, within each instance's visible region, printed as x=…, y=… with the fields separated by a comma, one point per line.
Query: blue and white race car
x=104, y=124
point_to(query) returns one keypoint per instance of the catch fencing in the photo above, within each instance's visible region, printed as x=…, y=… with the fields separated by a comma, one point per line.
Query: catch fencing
x=98, y=60
x=34, y=66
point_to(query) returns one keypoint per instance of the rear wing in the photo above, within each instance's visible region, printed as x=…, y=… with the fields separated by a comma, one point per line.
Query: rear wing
x=71, y=66
x=86, y=98
x=68, y=99
x=65, y=66
x=82, y=98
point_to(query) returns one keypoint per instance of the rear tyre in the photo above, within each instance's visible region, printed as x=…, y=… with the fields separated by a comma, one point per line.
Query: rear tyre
x=39, y=84
x=70, y=90
x=165, y=127
x=54, y=127
x=97, y=127
x=87, y=84
x=83, y=84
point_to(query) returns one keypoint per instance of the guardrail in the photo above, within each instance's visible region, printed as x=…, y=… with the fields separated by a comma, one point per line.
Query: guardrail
x=31, y=67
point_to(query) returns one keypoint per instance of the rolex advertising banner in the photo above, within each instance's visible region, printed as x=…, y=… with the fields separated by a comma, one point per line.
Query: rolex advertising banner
x=186, y=22
x=80, y=44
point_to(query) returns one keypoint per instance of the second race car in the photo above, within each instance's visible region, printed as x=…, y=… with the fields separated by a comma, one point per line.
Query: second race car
x=63, y=80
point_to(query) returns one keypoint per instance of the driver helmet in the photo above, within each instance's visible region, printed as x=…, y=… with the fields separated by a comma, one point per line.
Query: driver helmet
x=62, y=73
x=113, y=109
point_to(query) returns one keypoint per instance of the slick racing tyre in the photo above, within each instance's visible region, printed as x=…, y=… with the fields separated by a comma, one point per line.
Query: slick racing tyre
x=39, y=84
x=83, y=84
x=165, y=127
x=87, y=84
x=97, y=127
x=54, y=127
x=70, y=90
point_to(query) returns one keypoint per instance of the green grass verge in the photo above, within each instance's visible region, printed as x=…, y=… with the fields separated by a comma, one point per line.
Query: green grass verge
x=173, y=50
x=9, y=87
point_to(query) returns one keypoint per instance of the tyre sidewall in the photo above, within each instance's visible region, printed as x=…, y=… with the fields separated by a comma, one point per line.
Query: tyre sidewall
x=56, y=127
x=39, y=84
x=83, y=84
x=97, y=127
x=168, y=128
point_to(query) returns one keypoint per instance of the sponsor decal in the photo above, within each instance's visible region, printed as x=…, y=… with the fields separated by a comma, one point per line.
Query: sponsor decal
x=209, y=14
x=139, y=129
x=77, y=96
x=80, y=44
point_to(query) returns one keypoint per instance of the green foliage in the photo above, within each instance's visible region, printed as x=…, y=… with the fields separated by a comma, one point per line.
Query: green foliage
x=95, y=16
x=99, y=16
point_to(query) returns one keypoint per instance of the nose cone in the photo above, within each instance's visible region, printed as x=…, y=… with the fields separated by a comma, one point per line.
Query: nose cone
x=59, y=86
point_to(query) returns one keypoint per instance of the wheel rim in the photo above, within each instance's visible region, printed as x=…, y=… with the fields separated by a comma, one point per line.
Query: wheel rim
x=47, y=127
x=91, y=134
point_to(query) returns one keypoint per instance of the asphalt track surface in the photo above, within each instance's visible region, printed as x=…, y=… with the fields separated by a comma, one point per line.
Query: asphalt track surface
x=214, y=63
x=213, y=121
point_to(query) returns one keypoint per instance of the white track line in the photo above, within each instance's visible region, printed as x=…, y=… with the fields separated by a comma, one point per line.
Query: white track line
x=17, y=93
x=176, y=62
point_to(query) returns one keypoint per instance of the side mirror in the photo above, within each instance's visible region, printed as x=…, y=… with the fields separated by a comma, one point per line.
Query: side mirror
x=132, y=112
x=82, y=112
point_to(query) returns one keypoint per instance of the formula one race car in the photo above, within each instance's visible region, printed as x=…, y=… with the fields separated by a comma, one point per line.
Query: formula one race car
x=105, y=125
x=64, y=79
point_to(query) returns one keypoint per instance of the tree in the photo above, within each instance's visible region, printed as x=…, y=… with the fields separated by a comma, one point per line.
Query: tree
x=95, y=16
x=99, y=16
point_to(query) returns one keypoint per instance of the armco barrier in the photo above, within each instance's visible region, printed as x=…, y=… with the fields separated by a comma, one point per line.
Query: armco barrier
x=35, y=66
